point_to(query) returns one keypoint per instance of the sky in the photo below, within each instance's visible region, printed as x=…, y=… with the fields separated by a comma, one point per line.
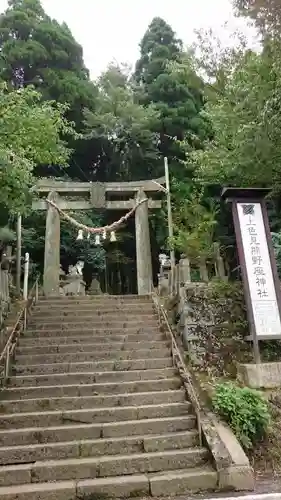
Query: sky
x=110, y=31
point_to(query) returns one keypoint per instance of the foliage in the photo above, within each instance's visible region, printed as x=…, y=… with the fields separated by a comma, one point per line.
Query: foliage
x=265, y=13
x=38, y=50
x=30, y=134
x=123, y=130
x=246, y=120
x=214, y=60
x=165, y=76
x=244, y=409
x=71, y=249
x=86, y=250
x=270, y=350
x=243, y=108
x=158, y=46
x=194, y=226
x=127, y=124
x=276, y=240
x=6, y=235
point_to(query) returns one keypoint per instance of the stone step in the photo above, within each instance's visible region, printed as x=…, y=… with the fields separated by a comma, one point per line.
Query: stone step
x=63, y=490
x=99, y=401
x=89, y=347
x=95, y=298
x=92, y=377
x=98, y=447
x=78, y=336
x=93, y=415
x=105, y=466
x=92, y=317
x=101, y=355
x=170, y=483
x=75, y=431
x=72, y=330
x=75, y=390
x=106, y=365
x=88, y=302
x=95, y=324
x=99, y=309
x=133, y=308
x=95, y=408
x=179, y=482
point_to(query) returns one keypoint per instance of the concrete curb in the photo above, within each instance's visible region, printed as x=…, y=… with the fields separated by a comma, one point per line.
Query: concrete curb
x=232, y=464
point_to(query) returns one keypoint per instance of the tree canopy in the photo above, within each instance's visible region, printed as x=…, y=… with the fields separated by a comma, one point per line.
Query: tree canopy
x=166, y=78
x=158, y=46
x=31, y=133
x=245, y=118
x=38, y=50
x=265, y=13
x=122, y=130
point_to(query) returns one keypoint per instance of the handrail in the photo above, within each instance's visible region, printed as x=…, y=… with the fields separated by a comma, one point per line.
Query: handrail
x=18, y=328
x=180, y=365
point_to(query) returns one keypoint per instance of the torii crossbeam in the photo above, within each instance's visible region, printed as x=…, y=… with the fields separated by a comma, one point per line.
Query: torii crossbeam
x=97, y=195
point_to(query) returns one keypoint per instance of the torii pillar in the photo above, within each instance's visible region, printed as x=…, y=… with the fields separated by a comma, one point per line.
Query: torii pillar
x=52, y=249
x=95, y=197
x=143, y=247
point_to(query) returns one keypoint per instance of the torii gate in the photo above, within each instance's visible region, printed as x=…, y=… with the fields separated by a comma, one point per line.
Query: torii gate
x=96, y=196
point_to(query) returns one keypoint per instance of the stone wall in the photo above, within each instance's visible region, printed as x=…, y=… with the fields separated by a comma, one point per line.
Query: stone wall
x=213, y=325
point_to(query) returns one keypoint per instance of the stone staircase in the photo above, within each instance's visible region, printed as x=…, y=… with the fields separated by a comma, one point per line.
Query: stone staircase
x=95, y=409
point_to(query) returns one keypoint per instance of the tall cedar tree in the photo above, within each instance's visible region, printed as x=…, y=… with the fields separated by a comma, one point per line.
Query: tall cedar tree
x=166, y=80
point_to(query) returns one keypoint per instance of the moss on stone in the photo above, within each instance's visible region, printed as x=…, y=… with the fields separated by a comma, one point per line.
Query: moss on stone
x=217, y=320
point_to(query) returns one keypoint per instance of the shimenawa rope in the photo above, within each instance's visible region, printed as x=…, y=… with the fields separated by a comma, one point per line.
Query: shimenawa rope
x=94, y=230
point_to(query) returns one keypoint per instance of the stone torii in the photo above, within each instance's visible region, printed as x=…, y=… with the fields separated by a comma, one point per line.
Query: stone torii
x=97, y=195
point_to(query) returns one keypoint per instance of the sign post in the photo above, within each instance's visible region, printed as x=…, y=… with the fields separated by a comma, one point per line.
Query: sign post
x=258, y=265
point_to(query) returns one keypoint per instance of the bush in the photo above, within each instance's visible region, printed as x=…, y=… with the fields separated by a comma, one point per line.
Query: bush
x=244, y=409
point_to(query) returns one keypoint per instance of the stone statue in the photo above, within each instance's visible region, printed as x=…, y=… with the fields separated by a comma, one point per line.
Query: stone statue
x=77, y=269
x=95, y=288
x=163, y=278
x=80, y=266
x=74, y=284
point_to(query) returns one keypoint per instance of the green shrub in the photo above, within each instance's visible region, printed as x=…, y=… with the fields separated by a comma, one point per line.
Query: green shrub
x=244, y=409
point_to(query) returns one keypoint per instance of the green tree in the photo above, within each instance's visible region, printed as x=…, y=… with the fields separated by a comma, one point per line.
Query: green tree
x=265, y=13
x=244, y=109
x=37, y=50
x=158, y=46
x=31, y=133
x=122, y=130
x=246, y=121
x=71, y=250
x=194, y=225
x=166, y=78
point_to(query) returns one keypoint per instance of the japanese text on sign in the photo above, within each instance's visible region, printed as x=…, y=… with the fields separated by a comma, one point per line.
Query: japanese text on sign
x=259, y=271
